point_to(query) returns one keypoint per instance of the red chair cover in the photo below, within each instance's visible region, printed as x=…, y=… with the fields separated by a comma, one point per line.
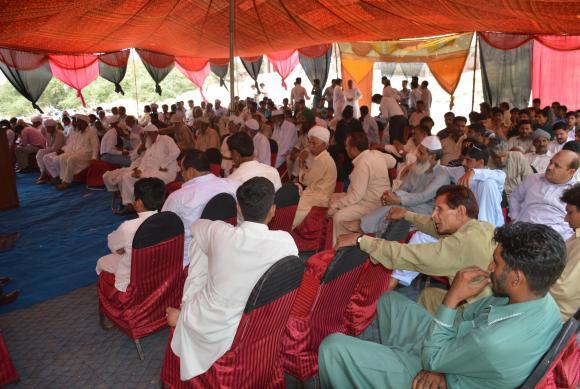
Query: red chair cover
x=81, y=177
x=8, y=373
x=254, y=360
x=215, y=169
x=156, y=283
x=310, y=235
x=283, y=219
x=284, y=175
x=273, y=157
x=337, y=276
x=565, y=370
x=96, y=171
x=339, y=188
x=393, y=174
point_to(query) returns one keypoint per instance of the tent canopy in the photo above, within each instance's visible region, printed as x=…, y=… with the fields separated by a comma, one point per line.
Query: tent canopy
x=199, y=28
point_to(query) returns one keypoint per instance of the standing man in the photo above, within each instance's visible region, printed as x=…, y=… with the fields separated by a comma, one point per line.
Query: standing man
x=298, y=93
x=329, y=94
x=285, y=134
x=426, y=97
x=338, y=99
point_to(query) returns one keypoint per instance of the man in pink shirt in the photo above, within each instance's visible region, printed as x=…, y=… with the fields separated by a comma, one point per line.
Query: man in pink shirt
x=31, y=140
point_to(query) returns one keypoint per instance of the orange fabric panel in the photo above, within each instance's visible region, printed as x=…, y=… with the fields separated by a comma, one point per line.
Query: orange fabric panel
x=364, y=82
x=448, y=71
x=199, y=28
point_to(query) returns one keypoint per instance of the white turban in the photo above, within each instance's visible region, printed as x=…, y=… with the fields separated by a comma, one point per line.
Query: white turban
x=36, y=119
x=252, y=124
x=177, y=117
x=49, y=123
x=150, y=128
x=320, y=132
x=432, y=143
x=84, y=118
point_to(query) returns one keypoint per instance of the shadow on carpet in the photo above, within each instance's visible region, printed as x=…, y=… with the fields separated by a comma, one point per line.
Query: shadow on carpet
x=63, y=233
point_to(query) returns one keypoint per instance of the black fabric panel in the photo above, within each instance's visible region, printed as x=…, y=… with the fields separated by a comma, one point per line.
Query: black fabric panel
x=344, y=261
x=558, y=345
x=280, y=279
x=253, y=69
x=29, y=83
x=221, y=72
x=156, y=229
x=317, y=68
x=287, y=195
x=221, y=207
x=113, y=74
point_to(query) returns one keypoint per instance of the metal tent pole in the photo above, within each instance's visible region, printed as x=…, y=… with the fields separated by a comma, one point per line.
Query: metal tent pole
x=232, y=62
x=135, y=81
x=474, y=70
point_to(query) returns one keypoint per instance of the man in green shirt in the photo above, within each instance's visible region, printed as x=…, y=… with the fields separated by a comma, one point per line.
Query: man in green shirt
x=493, y=343
x=465, y=241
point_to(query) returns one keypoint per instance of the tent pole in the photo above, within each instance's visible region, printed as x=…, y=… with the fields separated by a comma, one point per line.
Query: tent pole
x=336, y=58
x=474, y=70
x=232, y=62
x=135, y=80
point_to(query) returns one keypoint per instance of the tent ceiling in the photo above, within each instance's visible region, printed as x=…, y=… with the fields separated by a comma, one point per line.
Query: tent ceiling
x=200, y=27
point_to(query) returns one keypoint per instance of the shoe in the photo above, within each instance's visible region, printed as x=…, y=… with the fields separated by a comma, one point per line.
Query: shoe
x=10, y=297
x=126, y=210
x=4, y=280
x=62, y=186
x=55, y=181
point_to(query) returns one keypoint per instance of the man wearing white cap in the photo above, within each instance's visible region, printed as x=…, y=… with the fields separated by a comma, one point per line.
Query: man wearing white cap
x=31, y=140
x=262, y=150
x=156, y=158
x=539, y=159
x=37, y=123
x=234, y=125
x=181, y=133
x=207, y=137
x=55, y=140
x=112, y=150
x=81, y=147
x=317, y=175
x=416, y=193
x=285, y=134
x=368, y=181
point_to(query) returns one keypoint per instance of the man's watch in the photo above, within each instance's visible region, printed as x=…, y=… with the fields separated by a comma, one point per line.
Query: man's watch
x=358, y=240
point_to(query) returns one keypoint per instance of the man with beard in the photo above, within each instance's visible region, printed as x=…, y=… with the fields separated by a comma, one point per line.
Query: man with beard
x=469, y=346
x=539, y=160
x=416, y=193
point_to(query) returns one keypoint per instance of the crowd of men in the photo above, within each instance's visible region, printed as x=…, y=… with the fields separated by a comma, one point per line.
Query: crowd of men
x=492, y=202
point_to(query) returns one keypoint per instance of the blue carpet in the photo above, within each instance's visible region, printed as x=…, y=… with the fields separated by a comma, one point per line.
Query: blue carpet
x=63, y=233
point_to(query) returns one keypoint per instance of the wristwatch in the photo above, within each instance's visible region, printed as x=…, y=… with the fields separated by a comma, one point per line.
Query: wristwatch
x=358, y=241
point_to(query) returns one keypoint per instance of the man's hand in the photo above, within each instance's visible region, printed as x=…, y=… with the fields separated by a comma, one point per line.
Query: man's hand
x=172, y=315
x=468, y=282
x=466, y=179
x=390, y=198
x=396, y=214
x=136, y=173
x=429, y=380
x=331, y=211
x=346, y=240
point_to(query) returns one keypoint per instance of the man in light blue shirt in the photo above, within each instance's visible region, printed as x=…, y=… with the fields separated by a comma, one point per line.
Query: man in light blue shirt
x=494, y=342
x=199, y=187
x=537, y=198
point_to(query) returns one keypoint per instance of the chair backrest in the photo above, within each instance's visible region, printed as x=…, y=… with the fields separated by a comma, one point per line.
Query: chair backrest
x=214, y=156
x=287, y=195
x=273, y=146
x=344, y=261
x=310, y=235
x=221, y=207
x=283, y=219
x=553, y=355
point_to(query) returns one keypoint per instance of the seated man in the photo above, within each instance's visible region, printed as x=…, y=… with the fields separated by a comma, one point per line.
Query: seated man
x=262, y=150
x=242, y=149
x=285, y=134
x=522, y=142
x=416, y=193
x=31, y=141
x=537, y=199
x=149, y=196
x=566, y=291
x=225, y=264
x=206, y=137
x=539, y=160
x=473, y=348
x=465, y=241
x=368, y=181
x=451, y=145
x=317, y=177
x=560, y=138
x=199, y=187
x=157, y=157
x=112, y=145
x=514, y=164
x=55, y=141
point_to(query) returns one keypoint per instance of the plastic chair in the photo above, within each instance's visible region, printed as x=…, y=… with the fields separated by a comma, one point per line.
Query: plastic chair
x=95, y=173
x=254, y=359
x=8, y=373
x=156, y=283
x=311, y=234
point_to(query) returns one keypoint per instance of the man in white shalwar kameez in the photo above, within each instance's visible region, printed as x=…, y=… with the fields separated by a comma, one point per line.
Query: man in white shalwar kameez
x=81, y=147
x=149, y=196
x=338, y=99
x=352, y=95
x=157, y=158
x=225, y=264
x=285, y=134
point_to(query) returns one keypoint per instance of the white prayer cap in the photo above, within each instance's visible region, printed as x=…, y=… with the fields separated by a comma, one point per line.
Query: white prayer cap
x=113, y=119
x=252, y=124
x=320, y=122
x=150, y=128
x=278, y=112
x=49, y=123
x=84, y=118
x=539, y=133
x=36, y=119
x=177, y=117
x=122, y=126
x=320, y=132
x=432, y=143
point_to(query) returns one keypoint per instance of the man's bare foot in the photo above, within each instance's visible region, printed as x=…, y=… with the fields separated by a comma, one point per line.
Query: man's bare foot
x=352, y=225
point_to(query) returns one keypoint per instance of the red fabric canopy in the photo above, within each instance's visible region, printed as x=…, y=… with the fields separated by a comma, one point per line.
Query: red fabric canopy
x=117, y=59
x=512, y=41
x=197, y=77
x=158, y=60
x=199, y=28
x=22, y=60
x=77, y=71
x=284, y=62
x=191, y=64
